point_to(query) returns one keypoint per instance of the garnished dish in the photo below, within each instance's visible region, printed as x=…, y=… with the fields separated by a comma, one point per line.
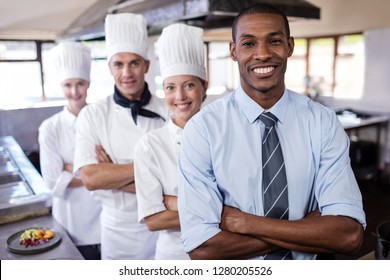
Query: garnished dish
x=35, y=237
x=33, y=240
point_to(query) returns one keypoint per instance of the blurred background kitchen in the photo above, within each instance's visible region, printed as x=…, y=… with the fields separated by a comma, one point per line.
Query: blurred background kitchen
x=341, y=59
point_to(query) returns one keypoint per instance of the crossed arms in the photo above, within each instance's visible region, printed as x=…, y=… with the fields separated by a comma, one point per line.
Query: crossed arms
x=245, y=235
x=108, y=175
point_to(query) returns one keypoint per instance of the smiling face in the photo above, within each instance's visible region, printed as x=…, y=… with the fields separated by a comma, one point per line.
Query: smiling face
x=184, y=95
x=261, y=48
x=128, y=70
x=75, y=92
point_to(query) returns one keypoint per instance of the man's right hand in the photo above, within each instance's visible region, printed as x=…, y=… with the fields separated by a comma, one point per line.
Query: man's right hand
x=101, y=155
x=129, y=188
x=170, y=202
x=313, y=214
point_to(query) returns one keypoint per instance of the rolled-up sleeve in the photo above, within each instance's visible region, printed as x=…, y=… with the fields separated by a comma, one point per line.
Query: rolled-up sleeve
x=336, y=187
x=199, y=202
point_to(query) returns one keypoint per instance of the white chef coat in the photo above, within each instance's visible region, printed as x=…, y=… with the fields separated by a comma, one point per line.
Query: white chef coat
x=112, y=126
x=156, y=175
x=74, y=208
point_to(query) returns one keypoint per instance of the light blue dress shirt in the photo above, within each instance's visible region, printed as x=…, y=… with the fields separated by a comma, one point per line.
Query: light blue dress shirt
x=220, y=163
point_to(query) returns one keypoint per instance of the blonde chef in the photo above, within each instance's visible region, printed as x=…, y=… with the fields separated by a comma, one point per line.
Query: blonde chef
x=73, y=206
x=181, y=56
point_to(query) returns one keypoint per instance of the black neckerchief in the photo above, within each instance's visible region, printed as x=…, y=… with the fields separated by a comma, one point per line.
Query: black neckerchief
x=136, y=105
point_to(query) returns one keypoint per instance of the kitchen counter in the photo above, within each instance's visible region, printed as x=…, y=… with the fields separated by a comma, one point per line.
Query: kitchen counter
x=23, y=191
x=368, y=134
x=65, y=250
x=358, y=123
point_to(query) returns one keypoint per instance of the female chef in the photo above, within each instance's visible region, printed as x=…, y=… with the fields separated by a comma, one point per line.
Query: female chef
x=73, y=206
x=181, y=57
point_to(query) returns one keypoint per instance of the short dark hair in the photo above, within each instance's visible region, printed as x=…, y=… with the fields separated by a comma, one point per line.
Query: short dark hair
x=259, y=9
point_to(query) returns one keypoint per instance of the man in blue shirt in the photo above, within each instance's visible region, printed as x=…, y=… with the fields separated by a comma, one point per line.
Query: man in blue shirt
x=220, y=163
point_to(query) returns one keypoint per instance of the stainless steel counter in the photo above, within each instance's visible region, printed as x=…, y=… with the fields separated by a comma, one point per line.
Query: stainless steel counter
x=23, y=192
x=65, y=250
x=25, y=203
x=350, y=123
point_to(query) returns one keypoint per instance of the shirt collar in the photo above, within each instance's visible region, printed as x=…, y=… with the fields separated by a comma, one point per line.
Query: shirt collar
x=252, y=110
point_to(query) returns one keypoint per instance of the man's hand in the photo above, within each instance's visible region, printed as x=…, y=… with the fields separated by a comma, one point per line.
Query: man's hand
x=106, y=175
x=129, y=188
x=101, y=155
x=68, y=167
x=232, y=219
x=313, y=214
x=170, y=202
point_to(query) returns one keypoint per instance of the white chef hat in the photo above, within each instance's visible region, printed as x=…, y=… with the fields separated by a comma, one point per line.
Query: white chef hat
x=71, y=60
x=126, y=32
x=181, y=51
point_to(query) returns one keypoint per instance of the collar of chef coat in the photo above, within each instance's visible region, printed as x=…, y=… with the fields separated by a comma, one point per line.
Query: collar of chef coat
x=69, y=116
x=175, y=130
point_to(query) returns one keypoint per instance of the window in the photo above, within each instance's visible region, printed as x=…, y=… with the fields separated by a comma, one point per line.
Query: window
x=102, y=83
x=349, y=74
x=26, y=77
x=21, y=72
x=321, y=57
x=328, y=66
x=18, y=50
x=297, y=67
x=222, y=71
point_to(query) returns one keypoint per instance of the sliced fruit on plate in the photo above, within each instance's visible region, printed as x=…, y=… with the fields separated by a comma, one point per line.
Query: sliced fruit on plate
x=35, y=237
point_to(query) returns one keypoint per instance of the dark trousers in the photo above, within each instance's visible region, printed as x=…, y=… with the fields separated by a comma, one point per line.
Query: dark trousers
x=90, y=252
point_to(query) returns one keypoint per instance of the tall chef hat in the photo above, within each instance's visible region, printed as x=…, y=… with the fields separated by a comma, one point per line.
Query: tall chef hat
x=126, y=32
x=71, y=60
x=181, y=51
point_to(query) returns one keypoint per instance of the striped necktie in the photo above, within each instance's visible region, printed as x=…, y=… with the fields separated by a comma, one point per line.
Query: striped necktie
x=275, y=195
